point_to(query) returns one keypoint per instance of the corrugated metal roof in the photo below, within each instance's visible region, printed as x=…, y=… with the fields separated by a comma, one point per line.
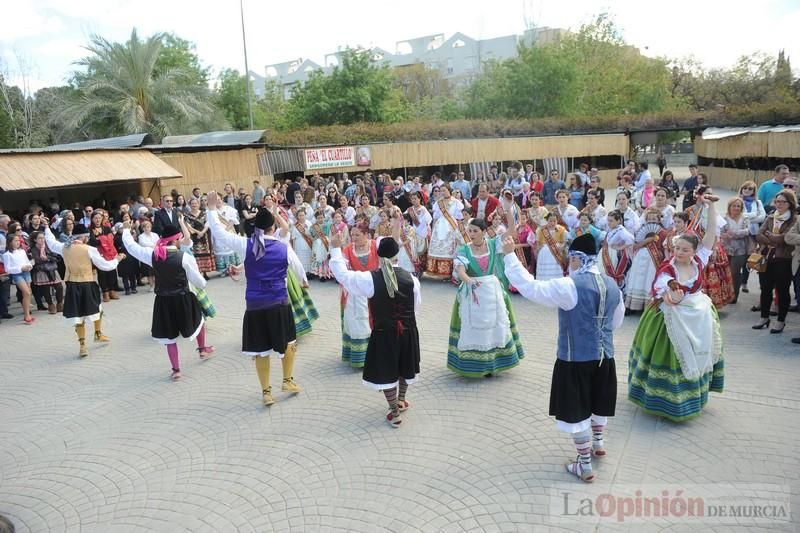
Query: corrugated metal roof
x=26, y=171
x=126, y=141
x=721, y=133
x=216, y=138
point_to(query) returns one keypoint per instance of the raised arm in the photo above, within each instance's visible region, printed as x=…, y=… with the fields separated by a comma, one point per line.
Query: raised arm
x=711, y=227
x=229, y=240
x=193, y=274
x=52, y=243
x=559, y=292
x=359, y=283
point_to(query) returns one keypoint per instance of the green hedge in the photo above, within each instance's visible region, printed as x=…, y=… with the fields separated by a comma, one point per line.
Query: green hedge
x=362, y=133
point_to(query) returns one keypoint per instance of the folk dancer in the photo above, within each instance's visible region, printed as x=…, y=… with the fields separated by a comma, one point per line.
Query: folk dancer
x=676, y=358
x=584, y=386
x=81, y=293
x=393, y=355
x=176, y=311
x=268, y=327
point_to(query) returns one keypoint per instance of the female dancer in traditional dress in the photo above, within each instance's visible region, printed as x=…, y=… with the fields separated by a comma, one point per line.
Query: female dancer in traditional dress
x=421, y=220
x=406, y=237
x=186, y=245
x=201, y=238
x=101, y=238
x=594, y=208
x=550, y=241
x=567, y=214
x=680, y=221
x=321, y=231
x=719, y=280
x=661, y=205
x=445, y=236
x=483, y=332
x=302, y=241
x=361, y=255
x=44, y=276
x=614, y=252
x=648, y=254
x=586, y=226
x=676, y=358
x=303, y=309
x=176, y=311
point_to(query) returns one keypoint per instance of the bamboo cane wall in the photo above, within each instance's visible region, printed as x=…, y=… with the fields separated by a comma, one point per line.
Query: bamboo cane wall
x=212, y=170
x=732, y=178
x=450, y=152
x=772, y=144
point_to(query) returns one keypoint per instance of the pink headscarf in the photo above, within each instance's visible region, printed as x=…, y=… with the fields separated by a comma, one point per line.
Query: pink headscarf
x=160, y=250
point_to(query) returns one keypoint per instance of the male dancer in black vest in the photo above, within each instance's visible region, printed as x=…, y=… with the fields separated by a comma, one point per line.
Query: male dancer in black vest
x=392, y=360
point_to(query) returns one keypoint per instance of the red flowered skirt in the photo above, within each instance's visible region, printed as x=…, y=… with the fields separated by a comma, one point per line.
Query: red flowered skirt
x=719, y=281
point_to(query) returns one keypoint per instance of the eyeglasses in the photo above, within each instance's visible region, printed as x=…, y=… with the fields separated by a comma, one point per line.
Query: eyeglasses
x=788, y=186
x=780, y=201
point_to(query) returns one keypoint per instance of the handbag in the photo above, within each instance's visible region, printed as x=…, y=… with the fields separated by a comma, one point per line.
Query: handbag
x=757, y=262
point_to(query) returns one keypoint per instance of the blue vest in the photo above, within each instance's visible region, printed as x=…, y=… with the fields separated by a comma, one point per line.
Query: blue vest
x=584, y=332
x=266, y=278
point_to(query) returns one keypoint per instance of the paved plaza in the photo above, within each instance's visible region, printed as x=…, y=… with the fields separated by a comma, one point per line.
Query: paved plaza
x=109, y=444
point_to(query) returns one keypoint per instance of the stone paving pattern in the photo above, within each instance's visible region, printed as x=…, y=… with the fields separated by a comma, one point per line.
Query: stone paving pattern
x=109, y=444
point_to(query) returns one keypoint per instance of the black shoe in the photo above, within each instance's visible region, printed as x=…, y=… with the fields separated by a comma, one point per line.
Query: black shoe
x=755, y=308
x=762, y=325
x=778, y=330
x=127, y=292
x=134, y=291
x=773, y=313
x=796, y=340
x=745, y=290
x=7, y=316
x=794, y=308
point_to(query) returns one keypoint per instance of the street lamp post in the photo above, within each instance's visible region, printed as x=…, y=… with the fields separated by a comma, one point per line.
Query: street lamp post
x=246, y=68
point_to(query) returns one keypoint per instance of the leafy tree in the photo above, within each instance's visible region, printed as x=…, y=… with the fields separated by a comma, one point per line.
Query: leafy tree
x=356, y=91
x=271, y=111
x=178, y=53
x=124, y=91
x=230, y=96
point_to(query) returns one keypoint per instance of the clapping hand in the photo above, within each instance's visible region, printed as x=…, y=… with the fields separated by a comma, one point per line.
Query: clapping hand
x=508, y=245
x=212, y=199
x=336, y=239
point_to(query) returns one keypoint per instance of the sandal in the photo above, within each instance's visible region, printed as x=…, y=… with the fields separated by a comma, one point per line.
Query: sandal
x=599, y=452
x=29, y=320
x=403, y=405
x=176, y=375
x=206, y=352
x=574, y=467
x=394, y=419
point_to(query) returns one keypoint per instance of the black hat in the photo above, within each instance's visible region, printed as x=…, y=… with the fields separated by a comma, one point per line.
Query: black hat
x=169, y=230
x=264, y=219
x=585, y=243
x=388, y=248
x=79, y=229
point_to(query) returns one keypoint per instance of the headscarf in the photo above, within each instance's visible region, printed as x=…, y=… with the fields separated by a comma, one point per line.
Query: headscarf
x=587, y=261
x=160, y=250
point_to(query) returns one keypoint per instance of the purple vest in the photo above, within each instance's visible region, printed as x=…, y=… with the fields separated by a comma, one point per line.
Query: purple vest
x=266, y=278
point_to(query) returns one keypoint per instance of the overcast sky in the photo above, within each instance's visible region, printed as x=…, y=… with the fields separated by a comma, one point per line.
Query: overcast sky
x=49, y=34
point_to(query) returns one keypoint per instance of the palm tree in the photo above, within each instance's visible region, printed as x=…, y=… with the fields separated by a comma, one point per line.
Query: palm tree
x=123, y=86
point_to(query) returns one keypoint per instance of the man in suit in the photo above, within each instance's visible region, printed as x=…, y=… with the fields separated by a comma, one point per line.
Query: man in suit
x=165, y=216
x=485, y=204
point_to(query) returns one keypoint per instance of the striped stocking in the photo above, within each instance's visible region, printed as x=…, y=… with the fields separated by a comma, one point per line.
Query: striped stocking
x=583, y=463
x=391, y=398
x=403, y=388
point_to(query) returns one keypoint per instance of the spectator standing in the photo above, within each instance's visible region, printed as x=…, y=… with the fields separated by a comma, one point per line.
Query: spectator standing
x=689, y=185
x=768, y=189
x=550, y=188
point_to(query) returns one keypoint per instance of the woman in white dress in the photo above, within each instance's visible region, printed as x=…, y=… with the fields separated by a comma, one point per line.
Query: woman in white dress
x=648, y=254
x=566, y=213
x=421, y=220
x=614, y=252
x=661, y=205
x=630, y=218
x=445, y=236
x=550, y=241
x=302, y=242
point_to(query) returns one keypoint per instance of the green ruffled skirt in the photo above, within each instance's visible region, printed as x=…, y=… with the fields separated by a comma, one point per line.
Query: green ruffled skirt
x=655, y=380
x=303, y=308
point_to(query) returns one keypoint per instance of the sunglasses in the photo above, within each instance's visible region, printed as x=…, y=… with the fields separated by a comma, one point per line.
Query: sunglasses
x=786, y=186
